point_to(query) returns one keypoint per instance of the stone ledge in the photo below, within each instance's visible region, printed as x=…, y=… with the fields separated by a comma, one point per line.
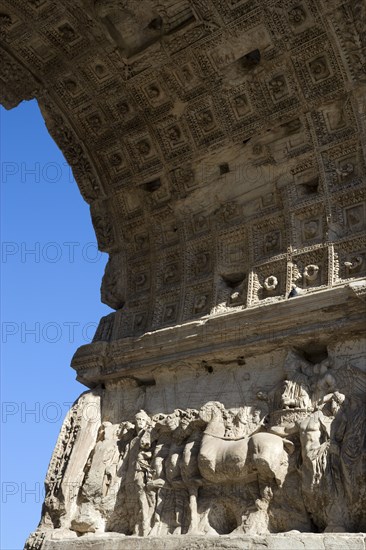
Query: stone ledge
x=293, y=541
x=244, y=332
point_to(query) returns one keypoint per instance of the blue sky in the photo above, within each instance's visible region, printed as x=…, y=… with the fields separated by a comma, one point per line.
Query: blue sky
x=50, y=304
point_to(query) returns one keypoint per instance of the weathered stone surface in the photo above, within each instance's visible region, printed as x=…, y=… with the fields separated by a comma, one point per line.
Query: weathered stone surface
x=220, y=145
x=262, y=444
x=293, y=541
x=297, y=322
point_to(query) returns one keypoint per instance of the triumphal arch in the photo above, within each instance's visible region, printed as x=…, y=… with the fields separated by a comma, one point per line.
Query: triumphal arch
x=220, y=145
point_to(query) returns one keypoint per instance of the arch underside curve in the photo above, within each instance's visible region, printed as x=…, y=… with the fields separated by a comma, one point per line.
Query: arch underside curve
x=220, y=145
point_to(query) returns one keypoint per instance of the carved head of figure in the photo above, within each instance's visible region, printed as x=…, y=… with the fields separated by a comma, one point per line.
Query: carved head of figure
x=336, y=402
x=212, y=411
x=189, y=418
x=262, y=396
x=172, y=421
x=142, y=420
x=230, y=417
x=257, y=413
x=105, y=430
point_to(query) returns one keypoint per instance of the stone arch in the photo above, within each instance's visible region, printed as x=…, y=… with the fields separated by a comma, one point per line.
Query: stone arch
x=220, y=146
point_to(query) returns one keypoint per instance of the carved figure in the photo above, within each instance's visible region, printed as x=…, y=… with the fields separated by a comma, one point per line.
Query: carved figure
x=222, y=459
x=137, y=473
x=295, y=390
x=191, y=426
x=317, y=450
x=100, y=484
x=349, y=462
x=220, y=470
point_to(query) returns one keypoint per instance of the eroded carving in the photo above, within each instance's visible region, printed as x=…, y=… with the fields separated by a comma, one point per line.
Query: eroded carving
x=221, y=147
x=179, y=136
x=298, y=444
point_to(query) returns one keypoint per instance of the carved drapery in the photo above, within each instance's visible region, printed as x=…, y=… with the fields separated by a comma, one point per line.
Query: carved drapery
x=286, y=436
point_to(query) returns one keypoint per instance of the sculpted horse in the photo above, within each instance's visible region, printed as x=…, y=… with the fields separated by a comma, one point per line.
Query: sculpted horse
x=184, y=457
x=223, y=459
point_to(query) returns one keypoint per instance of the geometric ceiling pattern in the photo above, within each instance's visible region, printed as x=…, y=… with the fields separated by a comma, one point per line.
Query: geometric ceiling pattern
x=219, y=143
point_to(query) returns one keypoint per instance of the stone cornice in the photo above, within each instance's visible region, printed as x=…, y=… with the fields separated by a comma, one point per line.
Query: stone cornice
x=291, y=323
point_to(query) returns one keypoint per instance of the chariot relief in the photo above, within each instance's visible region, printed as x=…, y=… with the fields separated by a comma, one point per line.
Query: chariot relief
x=219, y=469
